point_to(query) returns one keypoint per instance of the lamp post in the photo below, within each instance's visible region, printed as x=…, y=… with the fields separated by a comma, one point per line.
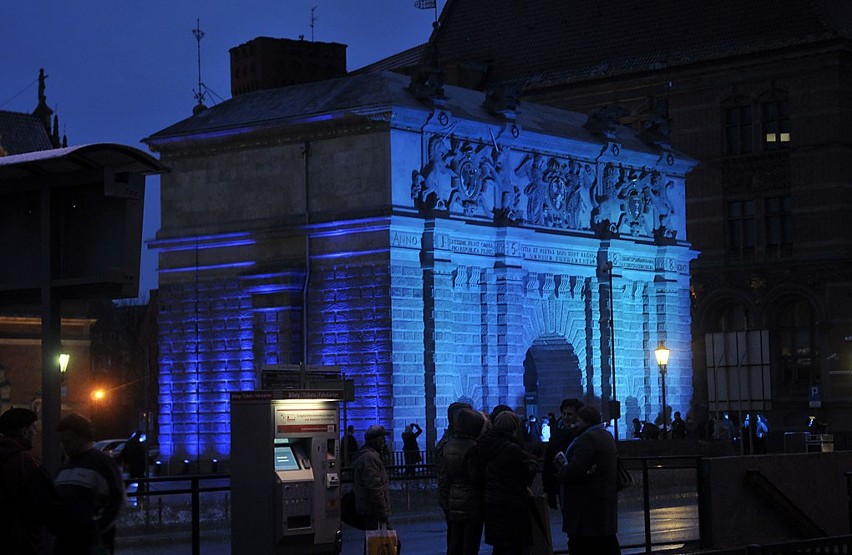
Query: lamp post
x=662, y=354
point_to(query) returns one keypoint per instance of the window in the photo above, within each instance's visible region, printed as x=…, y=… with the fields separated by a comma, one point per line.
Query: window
x=741, y=229
x=738, y=130
x=779, y=227
x=795, y=337
x=776, y=124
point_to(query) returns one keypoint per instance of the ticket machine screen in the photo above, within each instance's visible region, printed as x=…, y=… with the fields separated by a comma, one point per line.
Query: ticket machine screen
x=284, y=458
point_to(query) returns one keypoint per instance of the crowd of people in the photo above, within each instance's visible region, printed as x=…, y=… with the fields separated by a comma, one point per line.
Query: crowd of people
x=486, y=465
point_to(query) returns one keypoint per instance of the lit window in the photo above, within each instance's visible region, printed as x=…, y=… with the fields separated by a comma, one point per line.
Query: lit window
x=776, y=123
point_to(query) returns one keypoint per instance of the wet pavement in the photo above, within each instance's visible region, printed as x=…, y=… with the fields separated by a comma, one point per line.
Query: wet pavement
x=674, y=523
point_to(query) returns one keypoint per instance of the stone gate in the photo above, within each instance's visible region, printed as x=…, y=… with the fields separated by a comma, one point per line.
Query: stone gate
x=432, y=249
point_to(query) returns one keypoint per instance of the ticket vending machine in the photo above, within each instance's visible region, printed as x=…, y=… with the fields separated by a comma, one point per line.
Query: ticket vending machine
x=285, y=482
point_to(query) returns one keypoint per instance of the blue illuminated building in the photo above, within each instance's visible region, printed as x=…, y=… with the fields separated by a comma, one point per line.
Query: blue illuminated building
x=432, y=247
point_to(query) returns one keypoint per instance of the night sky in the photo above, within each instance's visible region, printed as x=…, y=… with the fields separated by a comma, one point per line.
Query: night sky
x=119, y=71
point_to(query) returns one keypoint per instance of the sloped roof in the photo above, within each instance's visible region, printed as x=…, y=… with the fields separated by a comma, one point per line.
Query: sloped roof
x=401, y=61
x=569, y=40
x=364, y=96
x=20, y=133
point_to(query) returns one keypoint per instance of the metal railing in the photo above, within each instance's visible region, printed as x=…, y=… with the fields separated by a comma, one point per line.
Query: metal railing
x=172, y=486
x=423, y=478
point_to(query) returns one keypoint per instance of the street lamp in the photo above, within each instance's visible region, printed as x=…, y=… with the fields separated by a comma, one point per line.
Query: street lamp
x=64, y=358
x=662, y=354
x=63, y=364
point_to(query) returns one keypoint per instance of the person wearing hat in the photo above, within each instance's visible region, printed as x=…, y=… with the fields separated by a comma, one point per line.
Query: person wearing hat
x=90, y=485
x=28, y=501
x=370, y=479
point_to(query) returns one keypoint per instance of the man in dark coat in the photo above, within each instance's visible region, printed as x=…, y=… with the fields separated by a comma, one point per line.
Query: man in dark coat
x=370, y=479
x=509, y=470
x=560, y=438
x=590, y=510
x=460, y=482
x=28, y=501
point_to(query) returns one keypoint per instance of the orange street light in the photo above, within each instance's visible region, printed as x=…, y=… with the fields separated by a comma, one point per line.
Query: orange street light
x=98, y=395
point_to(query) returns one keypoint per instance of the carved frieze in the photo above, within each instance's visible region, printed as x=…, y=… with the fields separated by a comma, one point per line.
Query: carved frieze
x=490, y=180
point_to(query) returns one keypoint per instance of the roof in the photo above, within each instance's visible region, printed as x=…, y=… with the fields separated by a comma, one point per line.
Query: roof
x=559, y=40
x=402, y=61
x=69, y=159
x=364, y=95
x=20, y=133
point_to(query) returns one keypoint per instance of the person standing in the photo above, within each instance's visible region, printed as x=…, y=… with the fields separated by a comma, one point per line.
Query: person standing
x=370, y=480
x=460, y=481
x=443, y=495
x=508, y=472
x=560, y=439
x=410, y=449
x=89, y=484
x=350, y=446
x=134, y=457
x=28, y=501
x=590, y=510
x=678, y=426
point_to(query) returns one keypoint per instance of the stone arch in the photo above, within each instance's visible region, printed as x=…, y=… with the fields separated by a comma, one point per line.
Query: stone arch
x=552, y=372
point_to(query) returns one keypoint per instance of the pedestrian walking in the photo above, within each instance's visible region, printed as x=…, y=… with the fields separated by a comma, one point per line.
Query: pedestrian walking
x=90, y=486
x=508, y=472
x=590, y=511
x=28, y=501
x=460, y=480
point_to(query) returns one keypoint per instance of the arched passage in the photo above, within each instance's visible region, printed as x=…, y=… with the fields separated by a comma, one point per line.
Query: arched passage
x=552, y=372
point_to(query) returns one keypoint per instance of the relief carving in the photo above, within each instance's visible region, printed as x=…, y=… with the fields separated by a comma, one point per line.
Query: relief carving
x=486, y=180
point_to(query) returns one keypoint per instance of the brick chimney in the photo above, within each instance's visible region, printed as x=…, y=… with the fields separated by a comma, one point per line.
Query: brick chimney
x=267, y=63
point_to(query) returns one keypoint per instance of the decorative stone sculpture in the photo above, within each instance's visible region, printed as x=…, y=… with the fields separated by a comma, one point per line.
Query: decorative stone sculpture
x=474, y=178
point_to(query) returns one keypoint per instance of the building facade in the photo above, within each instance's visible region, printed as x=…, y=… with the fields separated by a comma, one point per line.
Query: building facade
x=455, y=246
x=759, y=93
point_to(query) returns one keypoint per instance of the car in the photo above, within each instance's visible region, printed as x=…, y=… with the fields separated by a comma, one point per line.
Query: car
x=111, y=447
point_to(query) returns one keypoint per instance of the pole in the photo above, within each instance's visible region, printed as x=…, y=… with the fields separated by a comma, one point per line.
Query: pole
x=613, y=396
x=665, y=418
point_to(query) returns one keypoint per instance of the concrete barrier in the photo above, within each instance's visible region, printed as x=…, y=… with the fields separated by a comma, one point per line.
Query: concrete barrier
x=733, y=512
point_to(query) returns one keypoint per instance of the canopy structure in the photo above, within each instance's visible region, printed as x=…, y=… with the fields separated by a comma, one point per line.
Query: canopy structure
x=70, y=227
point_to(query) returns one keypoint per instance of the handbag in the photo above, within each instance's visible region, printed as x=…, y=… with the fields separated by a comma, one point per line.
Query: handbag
x=381, y=542
x=623, y=478
x=540, y=524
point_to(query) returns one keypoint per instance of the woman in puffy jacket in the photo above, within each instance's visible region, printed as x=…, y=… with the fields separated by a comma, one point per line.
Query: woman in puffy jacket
x=460, y=481
x=509, y=470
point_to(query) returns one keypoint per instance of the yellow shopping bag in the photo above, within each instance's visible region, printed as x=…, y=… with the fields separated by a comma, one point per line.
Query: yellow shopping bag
x=381, y=542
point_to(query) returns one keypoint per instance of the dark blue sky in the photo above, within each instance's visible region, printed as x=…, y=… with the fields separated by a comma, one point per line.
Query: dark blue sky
x=121, y=70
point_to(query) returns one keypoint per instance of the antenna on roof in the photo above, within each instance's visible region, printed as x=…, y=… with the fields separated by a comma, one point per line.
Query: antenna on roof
x=313, y=21
x=199, y=93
